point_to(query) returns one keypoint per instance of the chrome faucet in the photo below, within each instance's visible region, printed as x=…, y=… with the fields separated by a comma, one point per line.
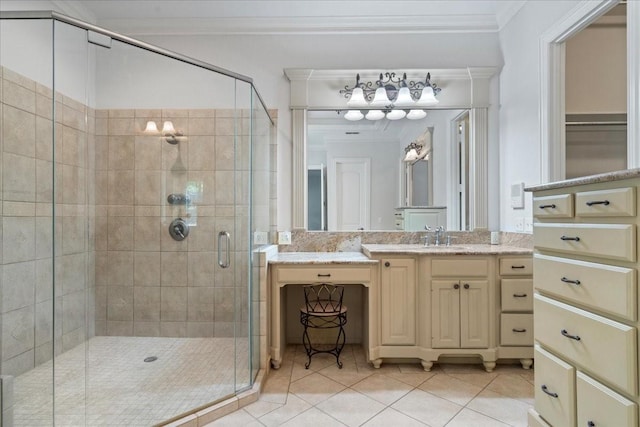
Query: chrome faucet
x=439, y=233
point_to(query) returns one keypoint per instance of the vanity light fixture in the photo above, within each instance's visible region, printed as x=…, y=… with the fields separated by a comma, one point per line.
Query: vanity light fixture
x=390, y=96
x=415, y=152
x=170, y=133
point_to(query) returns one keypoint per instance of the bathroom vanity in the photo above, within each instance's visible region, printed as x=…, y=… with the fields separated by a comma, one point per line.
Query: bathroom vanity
x=415, y=218
x=471, y=300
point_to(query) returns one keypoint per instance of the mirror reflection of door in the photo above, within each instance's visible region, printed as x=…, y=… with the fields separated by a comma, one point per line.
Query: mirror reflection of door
x=317, y=197
x=596, y=96
x=349, y=187
x=461, y=129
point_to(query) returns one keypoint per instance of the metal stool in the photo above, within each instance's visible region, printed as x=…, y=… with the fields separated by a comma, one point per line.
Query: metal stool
x=323, y=309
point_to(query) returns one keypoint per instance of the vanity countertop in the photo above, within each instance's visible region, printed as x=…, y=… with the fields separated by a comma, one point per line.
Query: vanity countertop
x=592, y=179
x=321, y=258
x=463, y=249
x=421, y=207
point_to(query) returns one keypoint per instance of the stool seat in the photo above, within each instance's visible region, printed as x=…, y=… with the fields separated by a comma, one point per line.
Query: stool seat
x=323, y=309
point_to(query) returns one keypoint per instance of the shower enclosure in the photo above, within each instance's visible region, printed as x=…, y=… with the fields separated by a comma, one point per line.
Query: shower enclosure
x=134, y=181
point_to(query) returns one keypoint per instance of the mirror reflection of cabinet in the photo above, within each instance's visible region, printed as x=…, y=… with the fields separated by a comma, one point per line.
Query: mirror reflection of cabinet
x=317, y=197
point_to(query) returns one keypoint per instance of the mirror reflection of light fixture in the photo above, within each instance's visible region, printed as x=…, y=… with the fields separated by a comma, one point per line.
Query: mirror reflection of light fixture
x=393, y=95
x=169, y=132
x=415, y=152
x=374, y=115
x=354, y=115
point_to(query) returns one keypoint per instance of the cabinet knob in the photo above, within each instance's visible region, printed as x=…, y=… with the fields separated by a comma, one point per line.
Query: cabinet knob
x=387, y=264
x=456, y=286
x=466, y=286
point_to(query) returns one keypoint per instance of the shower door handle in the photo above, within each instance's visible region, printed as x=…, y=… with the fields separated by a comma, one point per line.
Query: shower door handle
x=224, y=236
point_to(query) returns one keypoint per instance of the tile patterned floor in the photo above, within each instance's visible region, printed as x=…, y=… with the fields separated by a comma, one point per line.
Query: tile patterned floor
x=394, y=395
x=106, y=381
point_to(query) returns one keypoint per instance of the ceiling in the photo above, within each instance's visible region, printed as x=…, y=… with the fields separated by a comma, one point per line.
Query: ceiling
x=136, y=17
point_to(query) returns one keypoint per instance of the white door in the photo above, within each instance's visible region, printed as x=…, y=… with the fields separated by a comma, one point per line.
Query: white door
x=349, y=187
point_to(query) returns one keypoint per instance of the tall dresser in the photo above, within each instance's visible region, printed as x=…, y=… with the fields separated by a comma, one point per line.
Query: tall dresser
x=586, y=301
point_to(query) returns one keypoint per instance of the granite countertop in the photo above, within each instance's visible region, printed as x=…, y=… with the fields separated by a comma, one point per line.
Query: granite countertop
x=463, y=249
x=593, y=179
x=321, y=258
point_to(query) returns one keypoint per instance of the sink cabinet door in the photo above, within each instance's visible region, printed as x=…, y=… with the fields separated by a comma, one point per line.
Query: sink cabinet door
x=445, y=312
x=398, y=301
x=474, y=314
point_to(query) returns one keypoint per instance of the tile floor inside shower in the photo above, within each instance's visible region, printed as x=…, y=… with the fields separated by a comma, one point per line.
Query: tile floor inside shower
x=107, y=382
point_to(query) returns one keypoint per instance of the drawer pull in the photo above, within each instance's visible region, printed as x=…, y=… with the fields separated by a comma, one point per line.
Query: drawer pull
x=324, y=275
x=565, y=238
x=519, y=295
x=591, y=424
x=466, y=286
x=573, y=282
x=517, y=266
x=387, y=264
x=568, y=335
x=598, y=202
x=456, y=286
x=552, y=206
x=519, y=330
x=550, y=393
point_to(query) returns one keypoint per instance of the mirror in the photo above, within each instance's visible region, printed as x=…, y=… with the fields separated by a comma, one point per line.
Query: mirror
x=465, y=90
x=348, y=159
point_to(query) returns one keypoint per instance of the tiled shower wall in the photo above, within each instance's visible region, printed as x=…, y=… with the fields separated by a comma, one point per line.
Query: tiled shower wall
x=148, y=284
x=118, y=272
x=27, y=306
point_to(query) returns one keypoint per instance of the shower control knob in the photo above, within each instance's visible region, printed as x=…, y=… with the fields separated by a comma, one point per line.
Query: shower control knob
x=179, y=229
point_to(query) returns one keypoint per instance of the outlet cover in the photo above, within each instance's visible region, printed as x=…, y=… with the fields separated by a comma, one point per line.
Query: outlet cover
x=260, y=237
x=520, y=224
x=528, y=225
x=284, y=237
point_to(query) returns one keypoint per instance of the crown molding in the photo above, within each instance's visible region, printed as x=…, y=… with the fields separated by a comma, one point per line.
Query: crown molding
x=410, y=24
x=507, y=10
x=74, y=9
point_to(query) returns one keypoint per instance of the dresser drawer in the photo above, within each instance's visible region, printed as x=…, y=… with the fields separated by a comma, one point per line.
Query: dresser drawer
x=516, y=329
x=329, y=274
x=607, y=288
x=516, y=294
x=555, y=391
x=614, y=202
x=521, y=266
x=399, y=213
x=602, y=406
x=399, y=224
x=614, y=241
x=588, y=340
x=535, y=420
x=460, y=267
x=560, y=206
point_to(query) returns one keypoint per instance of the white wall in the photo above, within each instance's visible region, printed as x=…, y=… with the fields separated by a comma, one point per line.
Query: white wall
x=520, y=96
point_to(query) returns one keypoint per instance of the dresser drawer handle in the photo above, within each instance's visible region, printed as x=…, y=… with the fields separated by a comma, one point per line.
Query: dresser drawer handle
x=552, y=206
x=598, y=202
x=573, y=282
x=591, y=424
x=519, y=295
x=517, y=266
x=550, y=393
x=568, y=335
x=519, y=330
x=324, y=275
x=575, y=239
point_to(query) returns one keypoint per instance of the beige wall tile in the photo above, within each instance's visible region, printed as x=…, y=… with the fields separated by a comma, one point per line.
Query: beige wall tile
x=118, y=328
x=101, y=302
x=18, y=332
x=18, y=285
x=225, y=126
x=73, y=312
x=102, y=233
x=120, y=303
x=44, y=181
x=147, y=304
x=199, y=329
x=173, y=304
x=149, y=188
x=173, y=269
x=121, y=152
x=74, y=117
x=119, y=268
x=202, y=266
x=73, y=184
x=202, y=153
x=120, y=233
x=18, y=177
x=18, y=239
x=225, y=152
x=121, y=113
x=203, y=235
x=148, y=153
x=201, y=126
x=200, y=304
x=73, y=235
x=121, y=187
x=44, y=237
x=224, y=304
x=44, y=279
x=101, y=187
x=19, y=96
x=73, y=147
x=43, y=323
x=173, y=329
x=18, y=131
x=146, y=329
x=44, y=139
x=147, y=233
x=146, y=269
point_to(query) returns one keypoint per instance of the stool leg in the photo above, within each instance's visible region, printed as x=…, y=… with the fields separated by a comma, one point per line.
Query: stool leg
x=340, y=341
x=306, y=341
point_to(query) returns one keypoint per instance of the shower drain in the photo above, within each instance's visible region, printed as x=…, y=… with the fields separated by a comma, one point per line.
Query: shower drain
x=150, y=359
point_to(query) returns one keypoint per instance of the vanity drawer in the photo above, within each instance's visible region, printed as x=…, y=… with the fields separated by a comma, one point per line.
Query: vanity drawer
x=602, y=406
x=555, y=391
x=516, y=294
x=329, y=274
x=535, y=420
x=560, y=206
x=614, y=202
x=521, y=266
x=460, y=267
x=615, y=241
x=399, y=214
x=606, y=288
x=588, y=339
x=399, y=224
x=516, y=329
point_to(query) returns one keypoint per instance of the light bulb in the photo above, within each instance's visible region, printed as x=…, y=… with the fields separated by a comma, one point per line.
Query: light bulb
x=396, y=114
x=354, y=115
x=380, y=99
x=427, y=98
x=411, y=155
x=357, y=99
x=404, y=98
x=374, y=115
x=416, y=114
x=151, y=127
x=168, y=129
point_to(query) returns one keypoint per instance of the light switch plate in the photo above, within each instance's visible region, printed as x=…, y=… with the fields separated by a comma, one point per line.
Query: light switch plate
x=528, y=225
x=284, y=237
x=260, y=237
